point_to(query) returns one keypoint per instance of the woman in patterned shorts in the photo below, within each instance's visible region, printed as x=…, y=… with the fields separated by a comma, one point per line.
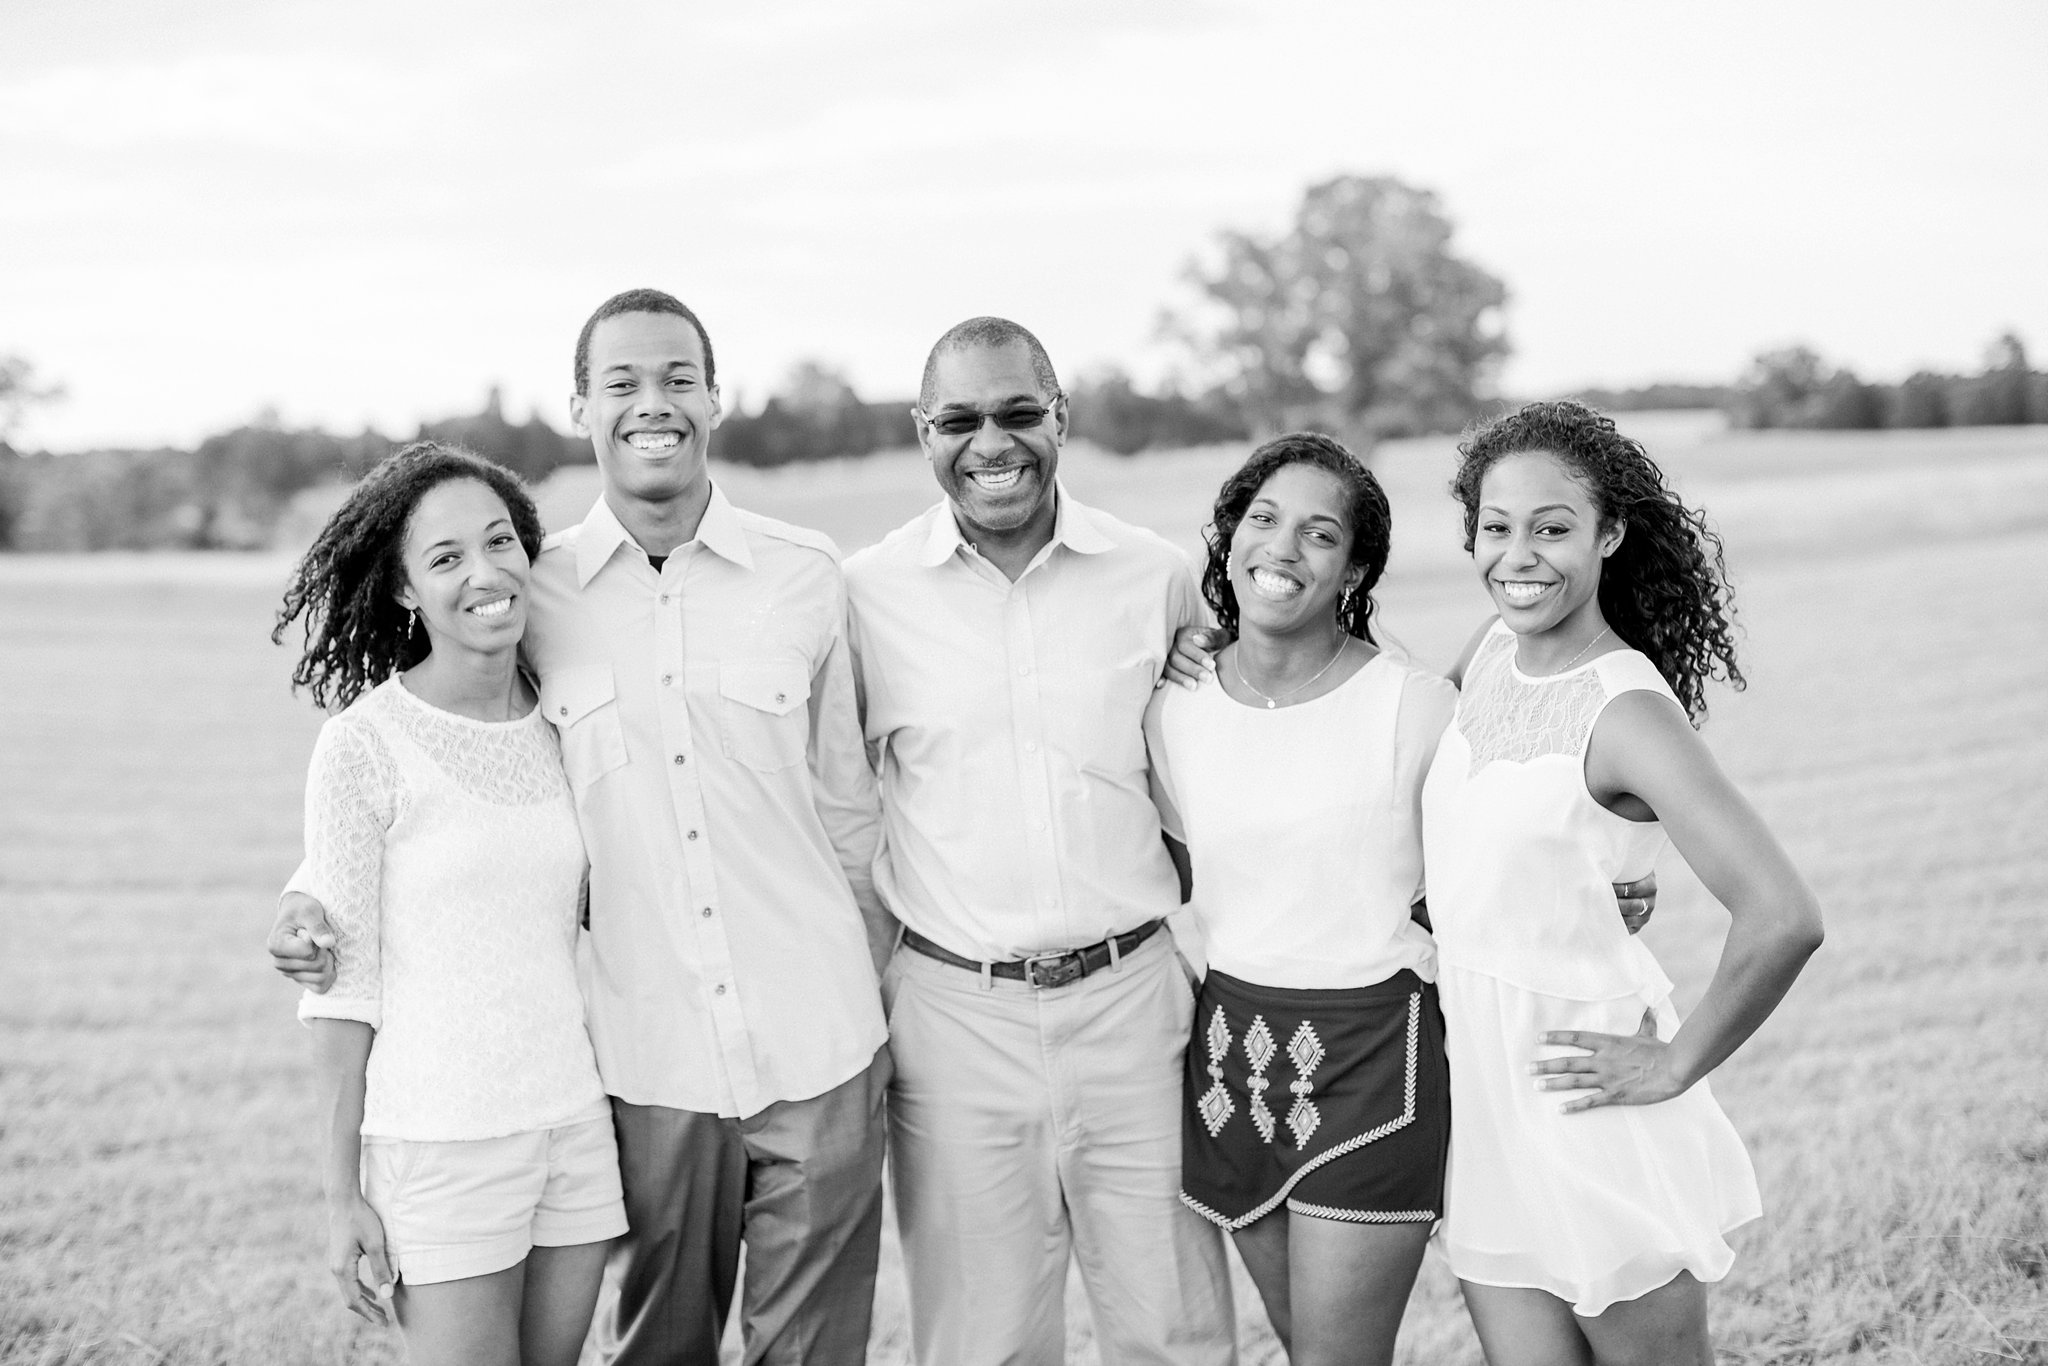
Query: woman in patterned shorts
x=1317, y=1099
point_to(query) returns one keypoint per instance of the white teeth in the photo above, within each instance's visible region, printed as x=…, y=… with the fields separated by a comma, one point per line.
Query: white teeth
x=492, y=609
x=995, y=481
x=653, y=441
x=1520, y=592
x=1274, y=585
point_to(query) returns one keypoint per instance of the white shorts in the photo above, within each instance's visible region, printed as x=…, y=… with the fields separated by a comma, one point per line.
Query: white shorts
x=470, y=1208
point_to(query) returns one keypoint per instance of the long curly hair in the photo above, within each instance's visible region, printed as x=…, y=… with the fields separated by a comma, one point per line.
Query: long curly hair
x=1370, y=519
x=1665, y=588
x=346, y=585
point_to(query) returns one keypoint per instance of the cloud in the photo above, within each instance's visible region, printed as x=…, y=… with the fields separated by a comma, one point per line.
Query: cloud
x=225, y=101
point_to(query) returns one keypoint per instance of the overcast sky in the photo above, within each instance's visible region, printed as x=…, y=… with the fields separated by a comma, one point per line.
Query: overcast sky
x=369, y=212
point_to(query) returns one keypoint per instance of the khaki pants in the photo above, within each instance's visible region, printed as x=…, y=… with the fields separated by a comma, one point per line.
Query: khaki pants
x=800, y=1183
x=1030, y=1125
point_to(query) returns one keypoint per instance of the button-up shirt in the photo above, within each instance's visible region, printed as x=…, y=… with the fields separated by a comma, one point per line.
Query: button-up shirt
x=709, y=729
x=1007, y=723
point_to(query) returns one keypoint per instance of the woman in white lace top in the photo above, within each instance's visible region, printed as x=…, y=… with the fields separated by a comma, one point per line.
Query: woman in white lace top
x=1583, y=1226
x=471, y=1162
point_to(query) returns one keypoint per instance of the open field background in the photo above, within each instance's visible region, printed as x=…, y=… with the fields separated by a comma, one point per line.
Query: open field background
x=158, y=1197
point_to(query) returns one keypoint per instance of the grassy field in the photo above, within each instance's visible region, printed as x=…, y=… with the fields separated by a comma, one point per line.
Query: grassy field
x=158, y=1191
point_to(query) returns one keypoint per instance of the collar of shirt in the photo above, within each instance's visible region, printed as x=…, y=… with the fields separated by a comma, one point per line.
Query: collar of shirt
x=1071, y=527
x=718, y=531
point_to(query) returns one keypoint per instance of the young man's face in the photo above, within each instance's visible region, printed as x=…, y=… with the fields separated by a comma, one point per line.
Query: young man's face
x=648, y=412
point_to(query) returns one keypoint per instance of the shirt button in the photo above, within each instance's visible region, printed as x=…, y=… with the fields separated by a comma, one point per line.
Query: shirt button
x=1031, y=746
x=692, y=835
x=1023, y=669
x=667, y=679
x=664, y=599
x=706, y=913
x=561, y=711
x=781, y=697
x=679, y=758
x=718, y=990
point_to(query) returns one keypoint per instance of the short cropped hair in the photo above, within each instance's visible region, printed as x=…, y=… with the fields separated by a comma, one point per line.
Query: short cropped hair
x=640, y=301
x=992, y=332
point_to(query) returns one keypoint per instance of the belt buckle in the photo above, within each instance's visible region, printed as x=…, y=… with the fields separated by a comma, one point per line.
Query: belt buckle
x=1067, y=966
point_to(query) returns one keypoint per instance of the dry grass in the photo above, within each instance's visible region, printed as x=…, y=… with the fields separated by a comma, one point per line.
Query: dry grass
x=158, y=1197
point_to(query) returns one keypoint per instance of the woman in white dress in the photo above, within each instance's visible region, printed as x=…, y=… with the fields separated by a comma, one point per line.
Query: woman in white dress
x=1592, y=1176
x=471, y=1166
x=1289, y=782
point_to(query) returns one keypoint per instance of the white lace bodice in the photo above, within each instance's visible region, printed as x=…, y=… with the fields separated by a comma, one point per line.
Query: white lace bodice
x=1504, y=718
x=1521, y=858
x=447, y=855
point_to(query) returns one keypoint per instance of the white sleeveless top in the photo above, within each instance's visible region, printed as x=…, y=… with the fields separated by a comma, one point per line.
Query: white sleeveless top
x=1303, y=823
x=1522, y=860
x=447, y=854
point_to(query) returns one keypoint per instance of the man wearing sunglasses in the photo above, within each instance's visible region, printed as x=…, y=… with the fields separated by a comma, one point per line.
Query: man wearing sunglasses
x=1006, y=643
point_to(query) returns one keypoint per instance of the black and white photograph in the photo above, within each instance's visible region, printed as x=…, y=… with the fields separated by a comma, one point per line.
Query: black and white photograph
x=1082, y=684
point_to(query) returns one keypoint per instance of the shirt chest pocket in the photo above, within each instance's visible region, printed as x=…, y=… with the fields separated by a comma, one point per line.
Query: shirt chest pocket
x=583, y=705
x=762, y=711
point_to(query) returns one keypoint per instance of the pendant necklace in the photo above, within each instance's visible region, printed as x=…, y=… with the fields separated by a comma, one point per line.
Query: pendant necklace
x=1237, y=663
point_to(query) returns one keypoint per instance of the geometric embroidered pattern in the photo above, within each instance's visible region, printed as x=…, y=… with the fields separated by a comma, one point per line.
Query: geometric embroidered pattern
x=1216, y=1105
x=1306, y=1050
x=1357, y=1216
x=1350, y=1145
x=1259, y=1050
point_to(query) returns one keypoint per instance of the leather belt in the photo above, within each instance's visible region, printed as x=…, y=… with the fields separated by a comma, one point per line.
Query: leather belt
x=1042, y=969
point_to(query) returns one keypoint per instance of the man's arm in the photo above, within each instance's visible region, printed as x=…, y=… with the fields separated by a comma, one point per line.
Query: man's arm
x=843, y=783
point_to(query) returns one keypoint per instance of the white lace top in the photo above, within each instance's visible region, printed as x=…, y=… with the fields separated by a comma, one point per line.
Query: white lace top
x=1521, y=859
x=447, y=855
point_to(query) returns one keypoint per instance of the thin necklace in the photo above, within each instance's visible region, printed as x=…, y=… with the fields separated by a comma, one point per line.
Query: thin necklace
x=1237, y=663
x=1569, y=662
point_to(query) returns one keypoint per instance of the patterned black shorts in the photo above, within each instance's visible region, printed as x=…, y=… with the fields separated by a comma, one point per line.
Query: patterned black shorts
x=1336, y=1102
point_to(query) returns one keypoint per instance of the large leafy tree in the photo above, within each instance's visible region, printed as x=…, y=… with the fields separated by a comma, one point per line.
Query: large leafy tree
x=1361, y=317
x=19, y=392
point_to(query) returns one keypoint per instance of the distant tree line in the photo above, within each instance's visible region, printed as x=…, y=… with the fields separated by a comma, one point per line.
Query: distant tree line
x=1360, y=318
x=1794, y=387
x=228, y=492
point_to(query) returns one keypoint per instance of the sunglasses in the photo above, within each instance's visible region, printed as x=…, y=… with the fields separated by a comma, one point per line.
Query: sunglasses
x=1016, y=417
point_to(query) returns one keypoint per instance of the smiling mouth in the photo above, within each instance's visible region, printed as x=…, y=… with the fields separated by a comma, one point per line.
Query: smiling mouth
x=992, y=480
x=1278, y=587
x=654, y=441
x=1521, y=592
x=492, y=610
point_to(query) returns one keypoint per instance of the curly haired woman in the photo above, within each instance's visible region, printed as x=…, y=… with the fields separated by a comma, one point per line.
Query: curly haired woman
x=1592, y=1176
x=471, y=1161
